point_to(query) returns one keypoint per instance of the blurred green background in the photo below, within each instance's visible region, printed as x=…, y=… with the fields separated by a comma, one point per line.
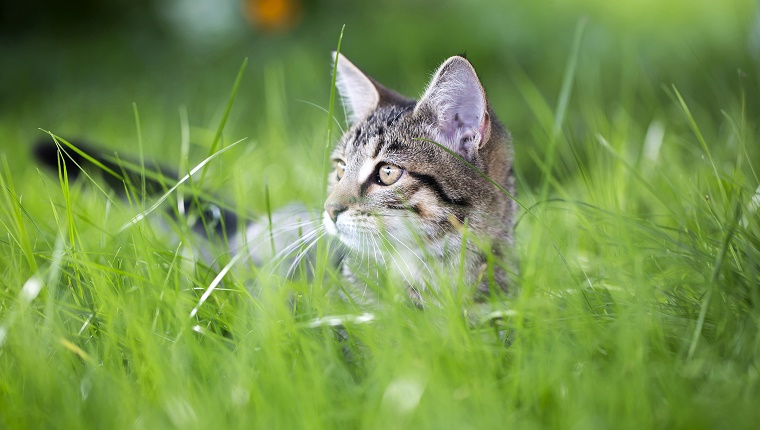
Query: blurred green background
x=71, y=67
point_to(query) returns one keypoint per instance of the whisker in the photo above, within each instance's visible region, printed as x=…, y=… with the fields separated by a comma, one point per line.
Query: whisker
x=282, y=255
x=412, y=251
x=366, y=285
x=366, y=253
x=378, y=251
x=306, y=237
x=408, y=282
x=276, y=230
x=286, y=228
x=372, y=244
x=303, y=253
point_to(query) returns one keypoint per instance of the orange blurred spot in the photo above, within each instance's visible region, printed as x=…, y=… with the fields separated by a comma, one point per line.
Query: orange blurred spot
x=272, y=14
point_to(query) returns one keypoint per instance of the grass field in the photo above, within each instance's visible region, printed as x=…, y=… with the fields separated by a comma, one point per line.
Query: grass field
x=639, y=255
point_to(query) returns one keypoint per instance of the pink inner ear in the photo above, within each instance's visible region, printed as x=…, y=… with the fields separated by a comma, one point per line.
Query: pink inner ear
x=458, y=102
x=464, y=121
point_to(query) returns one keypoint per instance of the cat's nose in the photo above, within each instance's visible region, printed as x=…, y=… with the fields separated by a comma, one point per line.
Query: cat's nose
x=334, y=209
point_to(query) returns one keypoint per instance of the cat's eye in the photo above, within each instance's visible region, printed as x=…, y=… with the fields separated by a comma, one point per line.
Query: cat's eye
x=388, y=174
x=340, y=169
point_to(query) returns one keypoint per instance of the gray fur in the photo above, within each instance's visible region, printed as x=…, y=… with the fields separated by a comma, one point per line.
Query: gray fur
x=419, y=219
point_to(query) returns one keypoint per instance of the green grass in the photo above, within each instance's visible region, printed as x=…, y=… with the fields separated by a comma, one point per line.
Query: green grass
x=640, y=273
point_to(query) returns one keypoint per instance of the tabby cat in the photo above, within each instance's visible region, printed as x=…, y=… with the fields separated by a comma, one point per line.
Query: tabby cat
x=413, y=197
x=411, y=173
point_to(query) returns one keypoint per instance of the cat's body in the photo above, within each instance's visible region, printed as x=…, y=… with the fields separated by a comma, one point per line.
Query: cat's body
x=401, y=204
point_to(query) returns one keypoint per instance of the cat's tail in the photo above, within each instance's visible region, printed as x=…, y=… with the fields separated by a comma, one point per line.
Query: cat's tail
x=118, y=173
x=126, y=175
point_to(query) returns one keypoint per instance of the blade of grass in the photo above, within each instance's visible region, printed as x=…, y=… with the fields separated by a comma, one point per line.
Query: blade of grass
x=561, y=110
x=714, y=279
x=59, y=139
x=635, y=172
x=243, y=253
x=140, y=153
x=695, y=129
x=330, y=114
x=22, y=237
x=269, y=216
x=166, y=195
x=323, y=246
x=223, y=121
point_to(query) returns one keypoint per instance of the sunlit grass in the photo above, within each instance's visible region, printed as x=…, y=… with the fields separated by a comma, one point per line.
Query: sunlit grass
x=639, y=269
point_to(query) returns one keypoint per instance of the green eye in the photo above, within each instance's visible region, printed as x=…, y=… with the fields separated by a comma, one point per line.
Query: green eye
x=340, y=169
x=388, y=174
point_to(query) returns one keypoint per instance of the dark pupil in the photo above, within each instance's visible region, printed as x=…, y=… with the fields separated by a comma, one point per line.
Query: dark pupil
x=387, y=171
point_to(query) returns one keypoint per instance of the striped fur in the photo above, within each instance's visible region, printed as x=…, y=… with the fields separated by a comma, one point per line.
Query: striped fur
x=418, y=220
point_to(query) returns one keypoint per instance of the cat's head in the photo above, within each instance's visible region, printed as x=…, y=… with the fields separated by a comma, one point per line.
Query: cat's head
x=389, y=177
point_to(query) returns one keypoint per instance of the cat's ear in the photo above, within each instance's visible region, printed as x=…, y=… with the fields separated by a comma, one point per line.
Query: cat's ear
x=358, y=91
x=457, y=103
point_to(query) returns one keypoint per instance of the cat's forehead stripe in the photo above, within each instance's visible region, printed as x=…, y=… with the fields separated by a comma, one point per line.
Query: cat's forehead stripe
x=367, y=169
x=378, y=147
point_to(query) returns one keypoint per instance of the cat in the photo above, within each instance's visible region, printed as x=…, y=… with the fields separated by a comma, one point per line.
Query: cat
x=419, y=190
x=393, y=183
